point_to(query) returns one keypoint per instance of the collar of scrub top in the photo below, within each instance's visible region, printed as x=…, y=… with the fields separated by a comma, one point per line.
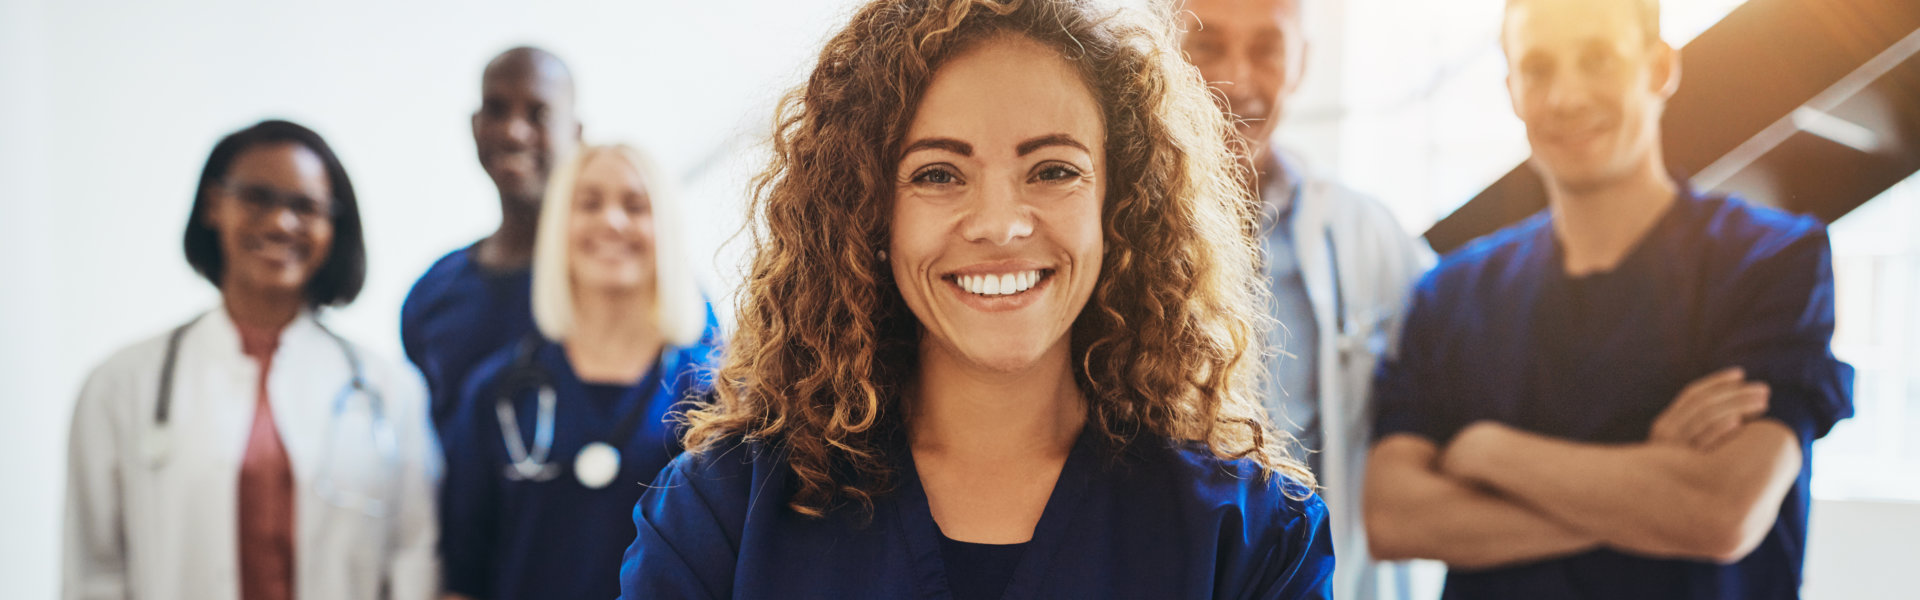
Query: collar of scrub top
x=922, y=534
x=1285, y=181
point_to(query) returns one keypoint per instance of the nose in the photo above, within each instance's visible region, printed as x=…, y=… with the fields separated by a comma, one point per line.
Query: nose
x=1566, y=94
x=283, y=220
x=613, y=218
x=1238, y=71
x=999, y=216
x=520, y=131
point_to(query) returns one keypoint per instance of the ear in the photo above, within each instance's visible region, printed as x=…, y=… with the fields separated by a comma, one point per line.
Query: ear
x=1299, y=67
x=1666, y=70
x=474, y=123
x=1513, y=93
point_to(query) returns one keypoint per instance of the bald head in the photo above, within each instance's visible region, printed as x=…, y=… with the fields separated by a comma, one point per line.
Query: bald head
x=528, y=62
x=525, y=124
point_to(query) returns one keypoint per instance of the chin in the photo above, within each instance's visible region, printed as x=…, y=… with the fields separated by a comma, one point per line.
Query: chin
x=1004, y=353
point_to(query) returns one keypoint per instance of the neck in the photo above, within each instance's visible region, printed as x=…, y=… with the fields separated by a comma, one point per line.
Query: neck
x=964, y=411
x=1600, y=225
x=511, y=245
x=614, y=338
x=267, y=311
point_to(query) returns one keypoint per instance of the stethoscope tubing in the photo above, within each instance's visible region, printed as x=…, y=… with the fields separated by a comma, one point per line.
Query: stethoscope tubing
x=384, y=438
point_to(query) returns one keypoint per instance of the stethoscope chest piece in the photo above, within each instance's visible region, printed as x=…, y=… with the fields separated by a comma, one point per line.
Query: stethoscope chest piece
x=596, y=465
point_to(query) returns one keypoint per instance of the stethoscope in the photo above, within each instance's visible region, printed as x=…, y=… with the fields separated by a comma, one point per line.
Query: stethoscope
x=1354, y=334
x=597, y=463
x=159, y=440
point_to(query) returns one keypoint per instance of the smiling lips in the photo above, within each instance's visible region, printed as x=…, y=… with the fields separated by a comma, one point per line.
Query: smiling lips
x=1005, y=284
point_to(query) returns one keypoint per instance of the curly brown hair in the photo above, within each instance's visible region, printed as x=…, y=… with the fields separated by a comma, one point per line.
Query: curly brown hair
x=1168, y=344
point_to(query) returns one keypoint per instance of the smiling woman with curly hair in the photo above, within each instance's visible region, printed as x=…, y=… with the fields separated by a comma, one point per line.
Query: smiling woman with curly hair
x=999, y=337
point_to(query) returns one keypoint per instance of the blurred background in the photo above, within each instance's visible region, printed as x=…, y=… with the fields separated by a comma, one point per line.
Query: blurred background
x=107, y=111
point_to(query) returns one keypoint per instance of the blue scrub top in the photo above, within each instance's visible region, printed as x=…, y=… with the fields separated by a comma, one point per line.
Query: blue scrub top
x=457, y=314
x=1499, y=332
x=1156, y=520
x=502, y=539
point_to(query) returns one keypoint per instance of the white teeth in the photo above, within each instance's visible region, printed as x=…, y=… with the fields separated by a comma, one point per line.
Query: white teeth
x=998, y=285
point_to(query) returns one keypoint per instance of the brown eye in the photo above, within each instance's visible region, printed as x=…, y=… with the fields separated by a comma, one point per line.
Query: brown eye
x=1056, y=172
x=936, y=176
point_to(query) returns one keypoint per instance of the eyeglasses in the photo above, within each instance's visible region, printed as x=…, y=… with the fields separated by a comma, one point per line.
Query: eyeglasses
x=262, y=200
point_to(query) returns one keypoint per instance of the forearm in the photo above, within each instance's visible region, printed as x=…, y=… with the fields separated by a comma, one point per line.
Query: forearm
x=1413, y=511
x=1650, y=499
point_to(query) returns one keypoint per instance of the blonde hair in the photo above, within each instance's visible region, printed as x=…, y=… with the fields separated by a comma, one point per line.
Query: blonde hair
x=679, y=309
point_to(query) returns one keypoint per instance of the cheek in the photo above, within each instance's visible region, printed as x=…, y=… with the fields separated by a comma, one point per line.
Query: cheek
x=1076, y=222
x=321, y=239
x=915, y=237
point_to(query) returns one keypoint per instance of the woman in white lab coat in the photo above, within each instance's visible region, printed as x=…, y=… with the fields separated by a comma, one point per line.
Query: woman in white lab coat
x=251, y=453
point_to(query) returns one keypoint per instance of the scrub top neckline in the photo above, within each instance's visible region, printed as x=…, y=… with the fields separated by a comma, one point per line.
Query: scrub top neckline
x=490, y=273
x=922, y=535
x=1683, y=200
x=554, y=355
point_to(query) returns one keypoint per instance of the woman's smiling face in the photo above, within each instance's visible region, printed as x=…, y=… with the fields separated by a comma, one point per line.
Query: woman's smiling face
x=996, y=241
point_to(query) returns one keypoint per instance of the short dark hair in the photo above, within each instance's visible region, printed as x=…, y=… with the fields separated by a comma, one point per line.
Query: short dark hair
x=1648, y=12
x=345, y=271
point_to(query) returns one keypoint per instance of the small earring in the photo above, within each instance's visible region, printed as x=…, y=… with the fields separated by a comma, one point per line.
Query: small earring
x=883, y=256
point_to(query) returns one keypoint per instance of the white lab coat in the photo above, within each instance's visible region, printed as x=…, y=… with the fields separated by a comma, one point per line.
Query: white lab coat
x=167, y=529
x=1340, y=233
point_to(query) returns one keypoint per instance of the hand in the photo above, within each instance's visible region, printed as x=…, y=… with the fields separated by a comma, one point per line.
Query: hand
x=1470, y=448
x=1710, y=410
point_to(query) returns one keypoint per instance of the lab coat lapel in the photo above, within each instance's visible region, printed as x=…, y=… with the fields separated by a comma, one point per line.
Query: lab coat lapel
x=300, y=388
x=190, y=509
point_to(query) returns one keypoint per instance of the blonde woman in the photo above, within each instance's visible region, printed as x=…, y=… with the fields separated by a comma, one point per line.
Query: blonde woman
x=557, y=433
x=999, y=339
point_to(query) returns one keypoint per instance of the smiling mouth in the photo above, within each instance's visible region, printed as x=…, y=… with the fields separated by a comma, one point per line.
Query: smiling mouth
x=999, y=285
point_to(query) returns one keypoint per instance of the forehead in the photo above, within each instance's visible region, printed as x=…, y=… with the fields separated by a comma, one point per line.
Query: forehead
x=1543, y=25
x=285, y=165
x=1205, y=17
x=1006, y=90
x=526, y=76
x=610, y=167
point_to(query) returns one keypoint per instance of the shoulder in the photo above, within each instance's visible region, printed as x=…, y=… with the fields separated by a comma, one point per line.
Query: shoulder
x=145, y=353
x=1752, y=233
x=438, y=279
x=115, y=378
x=401, y=383
x=1272, y=503
x=725, y=480
x=1486, y=256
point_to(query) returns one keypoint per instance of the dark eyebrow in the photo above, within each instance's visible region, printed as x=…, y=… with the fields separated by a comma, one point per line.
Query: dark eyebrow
x=1058, y=139
x=947, y=144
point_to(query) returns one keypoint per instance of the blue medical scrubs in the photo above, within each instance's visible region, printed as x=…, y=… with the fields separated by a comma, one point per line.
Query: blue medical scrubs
x=458, y=313
x=505, y=539
x=1499, y=332
x=1154, y=520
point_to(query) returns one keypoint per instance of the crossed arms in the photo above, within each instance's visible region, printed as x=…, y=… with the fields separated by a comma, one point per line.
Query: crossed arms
x=1706, y=485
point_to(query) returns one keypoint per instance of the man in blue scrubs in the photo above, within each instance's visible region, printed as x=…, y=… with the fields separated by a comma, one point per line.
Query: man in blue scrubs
x=474, y=300
x=1337, y=263
x=1615, y=398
